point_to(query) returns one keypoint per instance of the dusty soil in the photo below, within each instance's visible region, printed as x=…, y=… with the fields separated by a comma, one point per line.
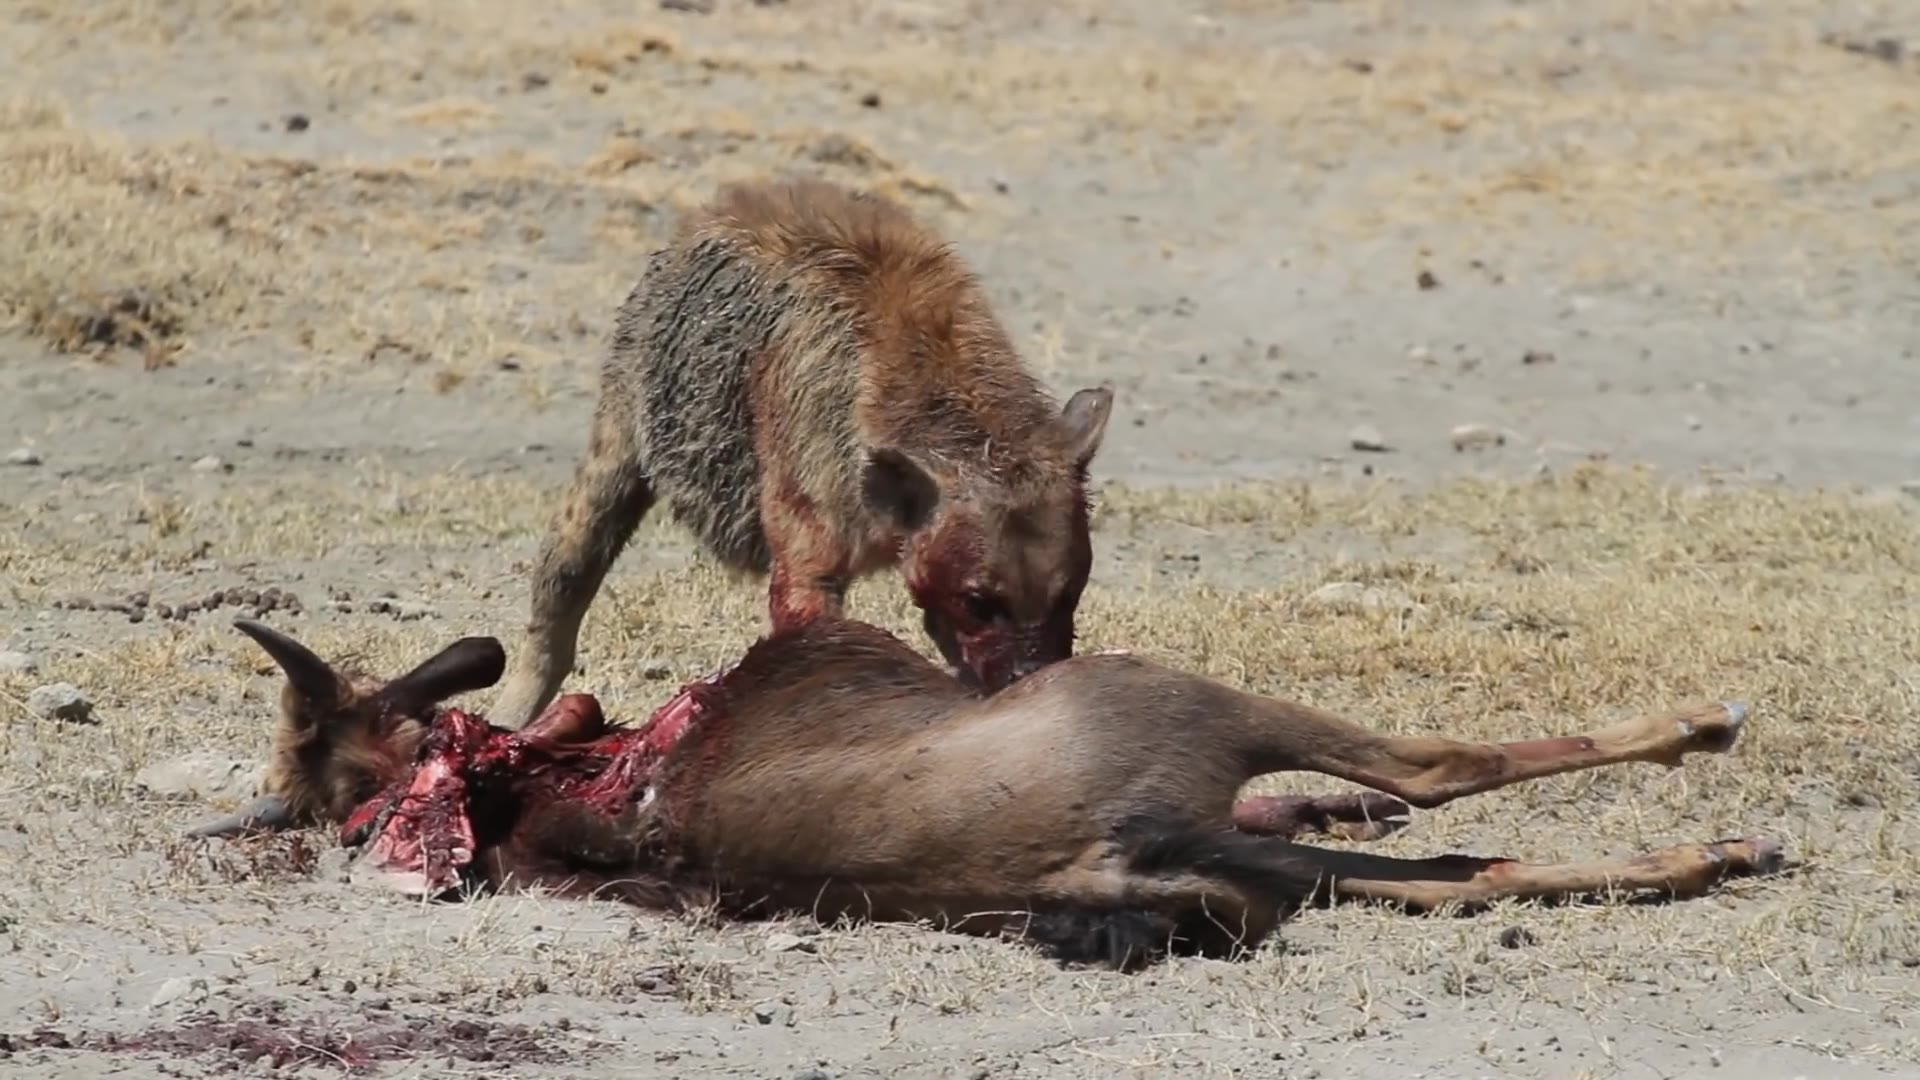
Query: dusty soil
x=311, y=297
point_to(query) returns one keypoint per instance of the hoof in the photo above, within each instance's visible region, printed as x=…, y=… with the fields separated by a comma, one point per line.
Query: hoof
x=1767, y=855
x=1712, y=729
x=1749, y=855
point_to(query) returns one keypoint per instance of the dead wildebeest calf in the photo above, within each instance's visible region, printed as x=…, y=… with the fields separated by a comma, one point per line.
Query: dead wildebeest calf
x=1089, y=808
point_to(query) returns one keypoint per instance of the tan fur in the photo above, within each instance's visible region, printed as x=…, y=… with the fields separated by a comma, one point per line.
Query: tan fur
x=328, y=758
x=817, y=386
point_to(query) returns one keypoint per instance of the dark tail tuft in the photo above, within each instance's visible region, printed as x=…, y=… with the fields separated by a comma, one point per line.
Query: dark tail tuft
x=1127, y=938
x=1262, y=865
x=1124, y=939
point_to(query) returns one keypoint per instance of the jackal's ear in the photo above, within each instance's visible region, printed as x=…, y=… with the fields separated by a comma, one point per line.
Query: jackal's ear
x=897, y=488
x=1083, y=423
x=311, y=677
x=472, y=663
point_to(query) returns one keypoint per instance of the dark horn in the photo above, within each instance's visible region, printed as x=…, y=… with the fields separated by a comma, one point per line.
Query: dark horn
x=265, y=812
x=308, y=674
x=471, y=663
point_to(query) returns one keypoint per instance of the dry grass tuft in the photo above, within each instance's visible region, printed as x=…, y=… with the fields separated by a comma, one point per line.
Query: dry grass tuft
x=159, y=246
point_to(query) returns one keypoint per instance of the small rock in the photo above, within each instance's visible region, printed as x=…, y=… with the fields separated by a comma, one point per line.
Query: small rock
x=692, y=7
x=25, y=455
x=1537, y=357
x=870, y=100
x=1888, y=49
x=211, y=463
x=1420, y=354
x=1516, y=937
x=779, y=943
x=1911, y=487
x=1353, y=596
x=60, y=701
x=298, y=122
x=1475, y=437
x=1367, y=437
x=404, y=610
x=18, y=663
x=179, y=988
x=202, y=775
x=1693, y=422
x=774, y=1014
x=1427, y=281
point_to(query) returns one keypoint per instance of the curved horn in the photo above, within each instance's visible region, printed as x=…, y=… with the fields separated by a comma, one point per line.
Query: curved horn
x=307, y=673
x=471, y=663
x=264, y=812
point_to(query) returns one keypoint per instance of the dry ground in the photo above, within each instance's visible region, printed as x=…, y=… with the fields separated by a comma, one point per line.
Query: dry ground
x=357, y=261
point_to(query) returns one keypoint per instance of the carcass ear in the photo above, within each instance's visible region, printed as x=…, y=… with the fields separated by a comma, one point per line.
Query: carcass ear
x=311, y=677
x=1083, y=423
x=896, y=487
x=472, y=663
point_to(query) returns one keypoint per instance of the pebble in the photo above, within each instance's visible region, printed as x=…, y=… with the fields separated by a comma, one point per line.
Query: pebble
x=18, y=663
x=25, y=455
x=404, y=610
x=179, y=988
x=210, y=463
x=1354, y=596
x=1516, y=937
x=60, y=701
x=1367, y=437
x=779, y=943
x=1476, y=437
x=774, y=1014
x=202, y=775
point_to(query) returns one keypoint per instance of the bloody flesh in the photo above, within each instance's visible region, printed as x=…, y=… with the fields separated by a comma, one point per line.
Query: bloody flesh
x=472, y=781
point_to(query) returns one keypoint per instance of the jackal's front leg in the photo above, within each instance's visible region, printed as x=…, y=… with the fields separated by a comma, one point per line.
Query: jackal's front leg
x=810, y=570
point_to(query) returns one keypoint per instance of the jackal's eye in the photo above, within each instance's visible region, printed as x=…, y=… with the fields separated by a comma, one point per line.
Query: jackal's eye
x=984, y=607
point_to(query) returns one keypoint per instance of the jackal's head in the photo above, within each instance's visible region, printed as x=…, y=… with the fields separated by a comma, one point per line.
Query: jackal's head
x=342, y=737
x=997, y=566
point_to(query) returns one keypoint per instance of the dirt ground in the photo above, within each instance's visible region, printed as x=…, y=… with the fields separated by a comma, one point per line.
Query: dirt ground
x=311, y=296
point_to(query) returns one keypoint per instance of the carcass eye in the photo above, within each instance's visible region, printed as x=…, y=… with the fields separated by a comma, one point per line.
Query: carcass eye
x=985, y=608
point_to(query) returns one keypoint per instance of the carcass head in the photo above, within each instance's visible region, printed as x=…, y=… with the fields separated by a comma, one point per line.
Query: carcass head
x=343, y=737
